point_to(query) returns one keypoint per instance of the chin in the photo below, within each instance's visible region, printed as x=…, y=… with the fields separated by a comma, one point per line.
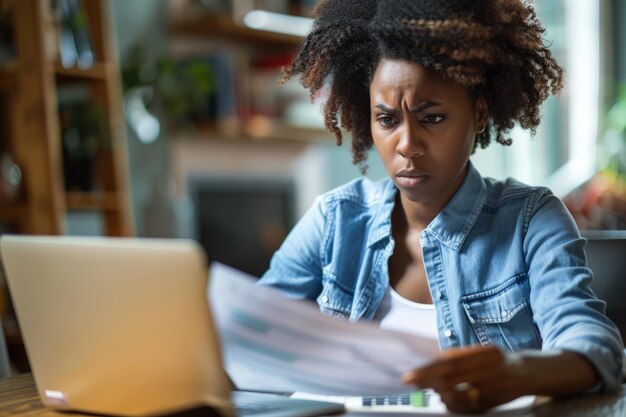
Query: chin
x=416, y=196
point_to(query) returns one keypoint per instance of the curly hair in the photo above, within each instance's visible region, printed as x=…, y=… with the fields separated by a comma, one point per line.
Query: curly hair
x=493, y=48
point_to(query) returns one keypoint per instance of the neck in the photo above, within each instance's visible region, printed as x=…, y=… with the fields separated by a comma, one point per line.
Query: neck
x=416, y=216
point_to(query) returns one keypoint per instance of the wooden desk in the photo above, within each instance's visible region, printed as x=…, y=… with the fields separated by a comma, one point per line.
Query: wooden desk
x=18, y=397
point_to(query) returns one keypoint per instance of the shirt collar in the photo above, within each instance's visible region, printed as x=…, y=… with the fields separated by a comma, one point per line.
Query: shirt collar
x=381, y=221
x=451, y=225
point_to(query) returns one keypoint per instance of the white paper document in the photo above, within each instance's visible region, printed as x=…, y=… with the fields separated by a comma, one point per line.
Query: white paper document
x=273, y=343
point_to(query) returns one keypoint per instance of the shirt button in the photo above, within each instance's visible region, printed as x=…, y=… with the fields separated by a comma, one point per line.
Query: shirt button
x=449, y=334
x=324, y=299
x=441, y=295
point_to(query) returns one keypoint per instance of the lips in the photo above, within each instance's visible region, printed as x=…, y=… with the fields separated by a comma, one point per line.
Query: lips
x=411, y=177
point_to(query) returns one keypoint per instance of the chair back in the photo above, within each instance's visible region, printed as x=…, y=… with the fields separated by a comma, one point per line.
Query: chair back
x=5, y=369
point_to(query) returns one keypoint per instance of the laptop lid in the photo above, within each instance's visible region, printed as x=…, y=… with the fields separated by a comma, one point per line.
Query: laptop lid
x=116, y=326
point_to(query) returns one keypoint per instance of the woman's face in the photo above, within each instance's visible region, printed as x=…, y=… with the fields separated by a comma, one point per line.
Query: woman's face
x=423, y=128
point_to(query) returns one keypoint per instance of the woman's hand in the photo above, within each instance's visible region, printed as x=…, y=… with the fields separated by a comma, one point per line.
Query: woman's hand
x=473, y=379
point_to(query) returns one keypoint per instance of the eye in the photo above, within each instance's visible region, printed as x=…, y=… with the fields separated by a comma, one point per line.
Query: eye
x=386, y=121
x=433, y=119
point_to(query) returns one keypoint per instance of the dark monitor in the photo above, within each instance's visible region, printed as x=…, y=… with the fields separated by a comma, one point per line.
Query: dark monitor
x=241, y=222
x=606, y=255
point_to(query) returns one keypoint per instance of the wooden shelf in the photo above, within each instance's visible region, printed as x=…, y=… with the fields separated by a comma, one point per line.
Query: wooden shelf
x=78, y=200
x=259, y=130
x=12, y=213
x=8, y=75
x=96, y=72
x=9, y=68
x=271, y=130
x=35, y=125
x=223, y=27
x=7, y=84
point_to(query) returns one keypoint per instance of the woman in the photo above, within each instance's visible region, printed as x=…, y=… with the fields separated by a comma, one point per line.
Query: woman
x=494, y=270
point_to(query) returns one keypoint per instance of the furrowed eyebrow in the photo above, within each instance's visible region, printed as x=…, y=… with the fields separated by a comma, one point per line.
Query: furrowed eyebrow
x=425, y=106
x=418, y=109
x=387, y=109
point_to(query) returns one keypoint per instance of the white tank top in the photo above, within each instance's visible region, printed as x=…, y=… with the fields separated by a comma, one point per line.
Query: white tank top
x=397, y=313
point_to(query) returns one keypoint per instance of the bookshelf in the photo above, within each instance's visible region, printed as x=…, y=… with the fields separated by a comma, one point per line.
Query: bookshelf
x=33, y=84
x=255, y=108
x=34, y=89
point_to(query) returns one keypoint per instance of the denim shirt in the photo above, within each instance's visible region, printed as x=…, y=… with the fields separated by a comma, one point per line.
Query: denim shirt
x=505, y=265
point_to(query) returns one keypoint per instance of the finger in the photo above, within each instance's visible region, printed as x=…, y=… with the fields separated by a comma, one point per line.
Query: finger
x=456, y=362
x=501, y=374
x=482, y=375
x=463, y=402
x=464, y=358
x=498, y=392
x=441, y=378
x=473, y=355
x=476, y=397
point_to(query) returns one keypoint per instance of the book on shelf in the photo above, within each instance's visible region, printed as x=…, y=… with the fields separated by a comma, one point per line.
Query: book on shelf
x=249, y=96
x=75, y=44
x=229, y=91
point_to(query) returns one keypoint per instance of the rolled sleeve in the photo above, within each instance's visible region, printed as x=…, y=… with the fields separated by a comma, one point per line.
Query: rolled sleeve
x=568, y=314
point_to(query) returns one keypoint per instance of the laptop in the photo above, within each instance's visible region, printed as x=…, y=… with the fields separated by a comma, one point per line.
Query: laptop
x=122, y=326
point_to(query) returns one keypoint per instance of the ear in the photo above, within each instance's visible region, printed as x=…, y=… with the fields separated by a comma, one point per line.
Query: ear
x=481, y=114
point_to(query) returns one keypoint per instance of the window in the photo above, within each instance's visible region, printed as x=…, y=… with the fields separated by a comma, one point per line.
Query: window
x=562, y=155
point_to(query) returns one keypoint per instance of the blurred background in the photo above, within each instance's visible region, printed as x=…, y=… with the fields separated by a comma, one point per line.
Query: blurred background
x=162, y=118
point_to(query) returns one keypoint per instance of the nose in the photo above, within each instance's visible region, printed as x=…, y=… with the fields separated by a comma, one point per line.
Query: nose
x=410, y=144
